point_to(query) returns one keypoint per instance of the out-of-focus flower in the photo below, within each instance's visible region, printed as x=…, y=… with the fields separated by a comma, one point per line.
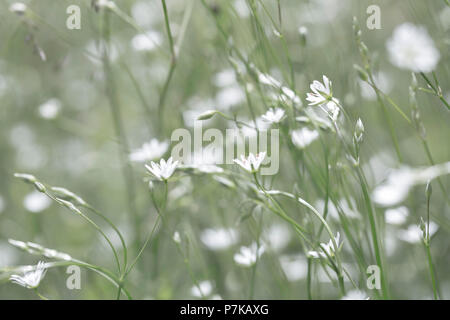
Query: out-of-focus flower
x=396, y=188
x=302, y=138
x=252, y=162
x=411, y=48
x=274, y=115
x=203, y=289
x=247, y=256
x=176, y=237
x=50, y=109
x=36, y=201
x=163, y=170
x=277, y=236
x=229, y=97
x=225, y=78
x=382, y=81
x=413, y=234
x=30, y=279
x=18, y=8
x=241, y=8
x=149, y=151
x=219, y=239
x=396, y=216
x=327, y=247
x=148, y=41
x=295, y=267
x=355, y=295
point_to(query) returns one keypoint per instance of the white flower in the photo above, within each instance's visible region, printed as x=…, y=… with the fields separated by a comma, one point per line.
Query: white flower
x=18, y=7
x=225, y=78
x=413, y=234
x=229, y=97
x=252, y=163
x=321, y=93
x=148, y=41
x=326, y=247
x=295, y=267
x=397, y=215
x=36, y=201
x=50, y=109
x=411, y=48
x=274, y=115
x=302, y=138
x=355, y=295
x=163, y=170
x=247, y=256
x=203, y=289
x=219, y=239
x=149, y=151
x=30, y=279
x=277, y=236
x=176, y=237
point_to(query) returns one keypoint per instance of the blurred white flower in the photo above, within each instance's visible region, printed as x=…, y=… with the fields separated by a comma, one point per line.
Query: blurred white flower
x=277, y=236
x=322, y=93
x=397, y=215
x=229, y=97
x=295, y=267
x=176, y=237
x=355, y=295
x=145, y=13
x=149, y=151
x=225, y=78
x=411, y=48
x=274, y=115
x=303, y=30
x=50, y=109
x=302, y=138
x=326, y=247
x=219, y=239
x=204, y=289
x=30, y=279
x=146, y=41
x=18, y=7
x=241, y=8
x=413, y=234
x=163, y=170
x=247, y=256
x=252, y=162
x=36, y=201
x=397, y=185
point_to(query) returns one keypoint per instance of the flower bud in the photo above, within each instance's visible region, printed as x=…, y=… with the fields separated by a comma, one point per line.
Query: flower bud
x=207, y=115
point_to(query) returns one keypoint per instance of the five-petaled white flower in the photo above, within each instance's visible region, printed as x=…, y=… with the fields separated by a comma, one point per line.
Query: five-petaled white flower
x=321, y=93
x=252, y=162
x=274, y=115
x=411, y=48
x=149, y=151
x=328, y=249
x=30, y=279
x=247, y=256
x=163, y=170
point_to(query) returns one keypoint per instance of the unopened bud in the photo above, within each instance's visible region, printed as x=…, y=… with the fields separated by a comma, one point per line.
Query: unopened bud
x=207, y=115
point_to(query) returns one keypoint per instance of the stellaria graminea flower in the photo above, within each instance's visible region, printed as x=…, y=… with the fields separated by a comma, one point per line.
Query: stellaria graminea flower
x=219, y=239
x=302, y=138
x=411, y=48
x=274, y=115
x=149, y=151
x=355, y=295
x=247, y=256
x=252, y=162
x=163, y=170
x=18, y=8
x=30, y=279
x=321, y=93
x=327, y=247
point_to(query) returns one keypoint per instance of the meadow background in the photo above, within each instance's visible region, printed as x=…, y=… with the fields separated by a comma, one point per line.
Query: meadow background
x=106, y=109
